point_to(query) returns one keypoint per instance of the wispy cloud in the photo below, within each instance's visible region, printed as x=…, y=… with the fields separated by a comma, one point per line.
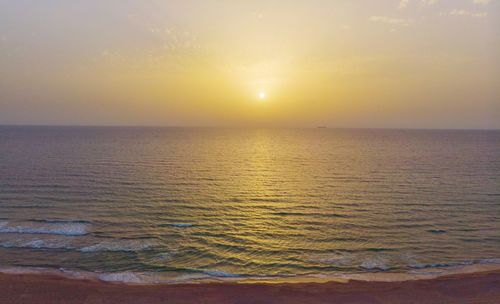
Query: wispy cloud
x=482, y=2
x=403, y=3
x=464, y=12
x=391, y=21
x=428, y=2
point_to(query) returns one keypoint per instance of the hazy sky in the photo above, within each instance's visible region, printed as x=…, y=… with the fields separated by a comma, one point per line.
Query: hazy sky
x=352, y=63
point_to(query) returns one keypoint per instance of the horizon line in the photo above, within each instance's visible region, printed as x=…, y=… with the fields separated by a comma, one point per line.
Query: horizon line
x=244, y=127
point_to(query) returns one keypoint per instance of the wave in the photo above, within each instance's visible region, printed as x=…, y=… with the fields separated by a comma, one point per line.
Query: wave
x=437, y=231
x=200, y=276
x=490, y=261
x=333, y=258
x=37, y=244
x=55, y=221
x=375, y=263
x=164, y=257
x=456, y=264
x=439, y=265
x=221, y=274
x=125, y=277
x=182, y=225
x=309, y=214
x=37, y=227
x=70, y=243
x=120, y=245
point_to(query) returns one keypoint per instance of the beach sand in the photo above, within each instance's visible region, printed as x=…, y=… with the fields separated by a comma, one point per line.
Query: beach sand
x=481, y=287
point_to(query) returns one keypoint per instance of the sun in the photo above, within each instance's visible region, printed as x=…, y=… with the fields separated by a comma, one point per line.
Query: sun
x=262, y=95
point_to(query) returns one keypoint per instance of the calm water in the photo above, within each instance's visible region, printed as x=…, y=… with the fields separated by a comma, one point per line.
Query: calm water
x=242, y=202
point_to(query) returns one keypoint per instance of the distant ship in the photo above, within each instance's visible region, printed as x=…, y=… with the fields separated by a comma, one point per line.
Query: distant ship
x=321, y=127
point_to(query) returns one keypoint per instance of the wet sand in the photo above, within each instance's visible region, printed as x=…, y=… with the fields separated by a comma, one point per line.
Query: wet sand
x=463, y=288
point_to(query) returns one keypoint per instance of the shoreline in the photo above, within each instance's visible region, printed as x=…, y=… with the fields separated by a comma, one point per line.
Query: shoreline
x=472, y=287
x=152, y=278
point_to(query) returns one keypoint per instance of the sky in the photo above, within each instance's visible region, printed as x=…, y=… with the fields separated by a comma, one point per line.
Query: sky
x=273, y=63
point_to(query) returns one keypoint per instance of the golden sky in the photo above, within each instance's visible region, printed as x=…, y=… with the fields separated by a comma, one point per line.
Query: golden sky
x=385, y=63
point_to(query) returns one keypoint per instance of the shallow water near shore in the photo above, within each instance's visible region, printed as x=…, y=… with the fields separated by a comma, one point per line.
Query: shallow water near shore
x=132, y=204
x=159, y=278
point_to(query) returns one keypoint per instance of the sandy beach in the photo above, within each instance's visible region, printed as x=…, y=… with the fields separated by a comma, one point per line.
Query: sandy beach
x=463, y=288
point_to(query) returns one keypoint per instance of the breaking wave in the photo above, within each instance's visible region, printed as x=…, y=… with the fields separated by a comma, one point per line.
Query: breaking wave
x=38, y=227
x=120, y=245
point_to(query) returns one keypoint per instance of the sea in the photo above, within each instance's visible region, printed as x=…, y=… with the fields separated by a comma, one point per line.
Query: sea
x=168, y=205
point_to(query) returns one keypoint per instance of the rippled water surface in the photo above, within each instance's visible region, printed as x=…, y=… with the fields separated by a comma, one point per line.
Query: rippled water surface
x=247, y=202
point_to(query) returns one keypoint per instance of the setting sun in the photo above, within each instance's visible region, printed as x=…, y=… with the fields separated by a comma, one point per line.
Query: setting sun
x=262, y=95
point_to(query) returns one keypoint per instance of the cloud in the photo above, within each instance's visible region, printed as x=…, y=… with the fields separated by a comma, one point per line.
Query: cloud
x=463, y=12
x=429, y=2
x=481, y=2
x=403, y=3
x=391, y=21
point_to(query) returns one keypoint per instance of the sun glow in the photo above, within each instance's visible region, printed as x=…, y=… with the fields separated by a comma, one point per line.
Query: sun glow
x=262, y=95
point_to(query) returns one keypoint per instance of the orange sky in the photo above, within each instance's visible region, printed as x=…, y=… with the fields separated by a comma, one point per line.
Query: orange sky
x=409, y=64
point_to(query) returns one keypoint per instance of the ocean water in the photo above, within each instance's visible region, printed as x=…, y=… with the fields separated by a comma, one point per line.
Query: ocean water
x=131, y=203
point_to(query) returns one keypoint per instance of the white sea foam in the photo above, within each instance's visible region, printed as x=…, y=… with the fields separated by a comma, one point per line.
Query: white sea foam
x=183, y=225
x=85, y=244
x=375, y=263
x=164, y=256
x=157, y=278
x=125, y=277
x=22, y=270
x=37, y=244
x=221, y=274
x=120, y=245
x=60, y=228
x=216, y=275
x=438, y=265
x=490, y=261
x=77, y=274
